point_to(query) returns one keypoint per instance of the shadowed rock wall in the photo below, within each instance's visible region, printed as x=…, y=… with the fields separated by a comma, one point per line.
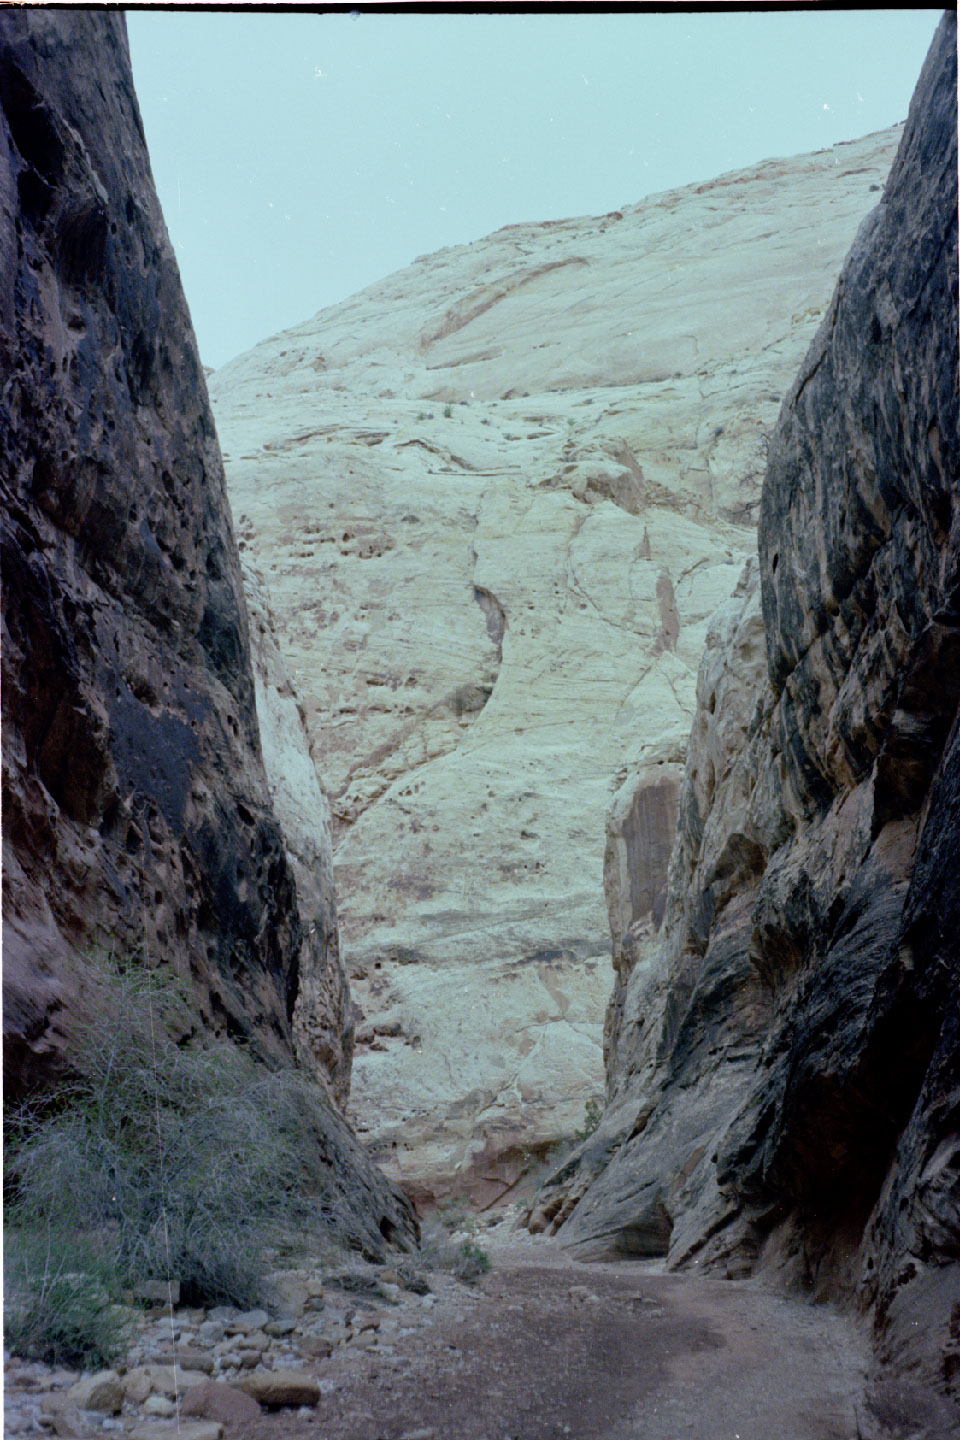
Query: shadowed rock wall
x=137, y=814
x=784, y=1089
x=135, y=808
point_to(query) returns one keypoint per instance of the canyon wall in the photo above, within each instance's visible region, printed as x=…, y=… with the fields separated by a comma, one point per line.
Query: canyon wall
x=137, y=814
x=784, y=1090
x=496, y=498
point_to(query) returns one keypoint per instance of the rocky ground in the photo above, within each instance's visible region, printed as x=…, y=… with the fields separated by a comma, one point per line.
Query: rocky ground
x=538, y=1348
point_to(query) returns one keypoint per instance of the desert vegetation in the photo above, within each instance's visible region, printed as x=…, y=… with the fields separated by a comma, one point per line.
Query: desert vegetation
x=163, y=1160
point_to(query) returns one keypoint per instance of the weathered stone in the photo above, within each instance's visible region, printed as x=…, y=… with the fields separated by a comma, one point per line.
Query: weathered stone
x=167, y=1380
x=784, y=1080
x=316, y=1345
x=508, y=486
x=183, y=1430
x=211, y=1332
x=246, y=1321
x=186, y=1357
x=276, y=1388
x=363, y=1340
x=159, y=1405
x=216, y=1401
x=103, y=1391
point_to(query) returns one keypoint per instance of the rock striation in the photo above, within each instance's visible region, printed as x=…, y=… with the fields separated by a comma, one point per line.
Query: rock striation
x=496, y=499
x=137, y=814
x=784, y=1091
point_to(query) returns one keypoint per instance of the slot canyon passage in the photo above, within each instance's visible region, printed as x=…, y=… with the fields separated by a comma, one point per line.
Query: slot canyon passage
x=592, y=589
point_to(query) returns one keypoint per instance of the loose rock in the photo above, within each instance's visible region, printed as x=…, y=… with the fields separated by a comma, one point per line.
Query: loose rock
x=103, y=1391
x=280, y=1388
x=215, y=1401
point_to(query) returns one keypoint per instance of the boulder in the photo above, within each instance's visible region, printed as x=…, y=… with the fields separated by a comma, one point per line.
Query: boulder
x=102, y=1391
x=214, y=1400
x=277, y=1388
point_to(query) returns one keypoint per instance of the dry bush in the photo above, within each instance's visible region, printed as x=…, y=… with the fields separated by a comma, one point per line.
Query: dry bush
x=160, y=1159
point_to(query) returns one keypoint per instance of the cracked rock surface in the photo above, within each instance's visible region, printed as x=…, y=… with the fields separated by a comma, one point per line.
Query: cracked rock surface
x=496, y=498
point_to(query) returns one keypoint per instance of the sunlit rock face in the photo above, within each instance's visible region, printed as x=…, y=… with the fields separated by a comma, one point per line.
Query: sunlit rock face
x=784, y=1082
x=496, y=498
x=322, y=1019
x=137, y=814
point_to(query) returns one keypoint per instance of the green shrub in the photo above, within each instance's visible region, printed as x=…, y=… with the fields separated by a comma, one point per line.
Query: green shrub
x=57, y=1312
x=161, y=1159
x=447, y=411
x=591, y=1119
x=472, y=1261
x=466, y=1259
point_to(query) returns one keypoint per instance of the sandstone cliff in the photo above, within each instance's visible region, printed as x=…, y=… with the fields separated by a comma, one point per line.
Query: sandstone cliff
x=136, y=812
x=784, y=1090
x=496, y=498
x=322, y=1020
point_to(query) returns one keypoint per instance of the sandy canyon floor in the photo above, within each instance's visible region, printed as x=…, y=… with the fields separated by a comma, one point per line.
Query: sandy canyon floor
x=543, y=1347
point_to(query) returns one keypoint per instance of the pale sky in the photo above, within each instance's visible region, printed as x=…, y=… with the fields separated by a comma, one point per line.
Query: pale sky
x=300, y=157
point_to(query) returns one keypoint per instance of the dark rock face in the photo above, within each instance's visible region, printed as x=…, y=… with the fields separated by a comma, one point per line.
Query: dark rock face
x=785, y=1091
x=136, y=811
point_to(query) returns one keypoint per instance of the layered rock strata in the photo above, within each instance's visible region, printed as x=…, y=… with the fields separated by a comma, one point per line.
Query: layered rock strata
x=784, y=1090
x=496, y=498
x=137, y=815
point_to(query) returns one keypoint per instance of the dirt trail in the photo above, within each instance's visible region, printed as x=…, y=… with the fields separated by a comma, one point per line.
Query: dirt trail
x=544, y=1348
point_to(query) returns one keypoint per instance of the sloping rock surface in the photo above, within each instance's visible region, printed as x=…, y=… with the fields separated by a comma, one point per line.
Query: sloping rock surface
x=496, y=498
x=784, y=1083
x=136, y=812
x=322, y=1019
